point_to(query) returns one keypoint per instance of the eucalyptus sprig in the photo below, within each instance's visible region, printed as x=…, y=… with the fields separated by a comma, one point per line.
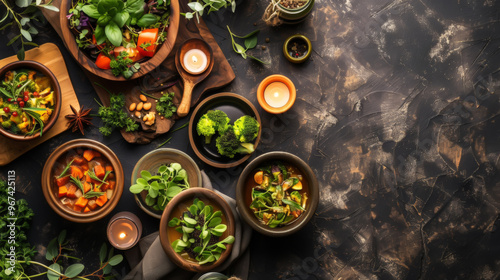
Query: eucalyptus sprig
x=198, y=226
x=21, y=16
x=250, y=43
x=199, y=7
x=57, y=250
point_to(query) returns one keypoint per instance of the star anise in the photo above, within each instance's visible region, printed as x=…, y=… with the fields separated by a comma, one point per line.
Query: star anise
x=79, y=119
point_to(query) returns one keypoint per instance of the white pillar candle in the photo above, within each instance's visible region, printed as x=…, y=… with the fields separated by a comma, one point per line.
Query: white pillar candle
x=195, y=61
x=276, y=94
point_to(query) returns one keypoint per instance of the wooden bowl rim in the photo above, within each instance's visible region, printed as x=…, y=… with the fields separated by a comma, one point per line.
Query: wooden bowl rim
x=191, y=124
x=164, y=151
x=146, y=67
x=164, y=240
x=56, y=88
x=47, y=181
x=250, y=218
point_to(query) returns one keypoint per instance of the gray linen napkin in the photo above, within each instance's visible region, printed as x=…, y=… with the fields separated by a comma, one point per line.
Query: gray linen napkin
x=150, y=262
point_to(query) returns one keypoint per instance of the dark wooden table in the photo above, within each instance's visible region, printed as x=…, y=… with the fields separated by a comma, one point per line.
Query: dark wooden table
x=397, y=112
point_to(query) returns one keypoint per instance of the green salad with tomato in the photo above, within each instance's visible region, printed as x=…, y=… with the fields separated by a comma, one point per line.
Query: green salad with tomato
x=119, y=34
x=27, y=101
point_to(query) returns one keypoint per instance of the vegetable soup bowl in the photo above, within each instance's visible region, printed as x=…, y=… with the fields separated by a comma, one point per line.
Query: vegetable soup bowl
x=82, y=180
x=146, y=65
x=152, y=161
x=284, y=182
x=50, y=98
x=179, y=207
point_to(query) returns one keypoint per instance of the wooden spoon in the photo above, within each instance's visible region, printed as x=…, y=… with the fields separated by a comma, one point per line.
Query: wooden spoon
x=190, y=78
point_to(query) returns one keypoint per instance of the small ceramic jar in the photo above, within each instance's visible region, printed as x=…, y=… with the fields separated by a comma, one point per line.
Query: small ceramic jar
x=297, y=48
x=295, y=15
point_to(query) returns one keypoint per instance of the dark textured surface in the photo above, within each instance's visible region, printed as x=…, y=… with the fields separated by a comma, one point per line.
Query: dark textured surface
x=397, y=112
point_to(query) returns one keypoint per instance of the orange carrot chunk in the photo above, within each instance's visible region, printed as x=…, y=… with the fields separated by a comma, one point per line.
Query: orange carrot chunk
x=86, y=187
x=62, y=181
x=88, y=155
x=76, y=172
x=99, y=171
x=109, y=168
x=87, y=178
x=81, y=202
x=102, y=200
x=77, y=208
x=63, y=191
x=79, y=160
x=87, y=209
x=71, y=191
x=111, y=184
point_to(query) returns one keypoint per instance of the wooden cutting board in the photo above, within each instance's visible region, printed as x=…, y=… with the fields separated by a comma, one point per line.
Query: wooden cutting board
x=49, y=55
x=157, y=80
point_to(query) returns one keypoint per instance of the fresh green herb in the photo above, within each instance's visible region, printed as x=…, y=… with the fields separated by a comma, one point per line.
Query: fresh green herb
x=77, y=182
x=91, y=194
x=250, y=43
x=122, y=65
x=162, y=187
x=200, y=218
x=19, y=210
x=165, y=106
x=92, y=175
x=21, y=17
x=65, y=169
x=170, y=138
x=57, y=251
x=114, y=116
x=145, y=46
x=198, y=7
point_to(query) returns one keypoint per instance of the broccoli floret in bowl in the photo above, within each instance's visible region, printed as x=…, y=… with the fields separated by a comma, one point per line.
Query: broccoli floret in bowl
x=229, y=145
x=246, y=128
x=211, y=122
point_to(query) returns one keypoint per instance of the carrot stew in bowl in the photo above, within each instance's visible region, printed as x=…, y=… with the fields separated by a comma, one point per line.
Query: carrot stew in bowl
x=84, y=180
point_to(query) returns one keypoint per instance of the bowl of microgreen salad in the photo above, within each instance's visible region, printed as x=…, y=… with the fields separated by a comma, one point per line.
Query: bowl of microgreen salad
x=120, y=39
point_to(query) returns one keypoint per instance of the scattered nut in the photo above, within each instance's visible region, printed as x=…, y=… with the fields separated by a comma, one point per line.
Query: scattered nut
x=149, y=119
x=132, y=106
x=145, y=118
x=138, y=114
x=263, y=47
x=139, y=106
x=147, y=106
x=268, y=40
x=143, y=97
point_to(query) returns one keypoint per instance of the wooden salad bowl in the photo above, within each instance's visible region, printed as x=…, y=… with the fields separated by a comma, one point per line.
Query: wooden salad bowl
x=146, y=67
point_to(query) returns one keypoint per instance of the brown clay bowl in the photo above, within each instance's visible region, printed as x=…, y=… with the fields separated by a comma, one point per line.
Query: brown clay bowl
x=28, y=64
x=152, y=161
x=234, y=106
x=243, y=191
x=176, y=207
x=146, y=66
x=53, y=164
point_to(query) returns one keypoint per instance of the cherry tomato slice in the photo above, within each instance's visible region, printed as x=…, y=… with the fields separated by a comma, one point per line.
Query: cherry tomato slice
x=103, y=61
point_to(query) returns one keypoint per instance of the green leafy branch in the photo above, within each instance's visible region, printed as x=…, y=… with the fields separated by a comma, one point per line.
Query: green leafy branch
x=22, y=15
x=56, y=250
x=250, y=43
x=198, y=7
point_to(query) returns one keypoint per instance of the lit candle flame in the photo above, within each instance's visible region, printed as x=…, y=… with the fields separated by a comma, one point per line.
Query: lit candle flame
x=195, y=59
x=122, y=235
x=276, y=94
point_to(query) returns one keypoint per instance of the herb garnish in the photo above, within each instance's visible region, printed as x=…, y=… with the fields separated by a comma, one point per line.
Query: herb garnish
x=201, y=229
x=122, y=65
x=250, y=43
x=213, y=5
x=65, y=169
x=165, y=106
x=162, y=187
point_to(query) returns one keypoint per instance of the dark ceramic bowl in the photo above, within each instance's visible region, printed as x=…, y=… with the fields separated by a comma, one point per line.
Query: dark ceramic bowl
x=242, y=190
x=50, y=189
x=152, y=161
x=235, y=106
x=297, y=15
x=28, y=64
x=176, y=207
x=146, y=66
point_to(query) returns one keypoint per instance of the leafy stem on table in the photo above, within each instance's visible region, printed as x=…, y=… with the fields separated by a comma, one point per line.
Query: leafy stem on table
x=250, y=43
x=22, y=14
x=198, y=7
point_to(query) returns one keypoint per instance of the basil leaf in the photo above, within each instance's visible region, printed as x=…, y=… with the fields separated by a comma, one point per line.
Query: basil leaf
x=91, y=11
x=113, y=33
x=100, y=36
x=106, y=5
x=147, y=20
x=135, y=7
x=103, y=20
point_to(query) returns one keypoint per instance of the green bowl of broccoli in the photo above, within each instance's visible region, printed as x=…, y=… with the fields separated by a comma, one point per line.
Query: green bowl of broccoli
x=224, y=130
